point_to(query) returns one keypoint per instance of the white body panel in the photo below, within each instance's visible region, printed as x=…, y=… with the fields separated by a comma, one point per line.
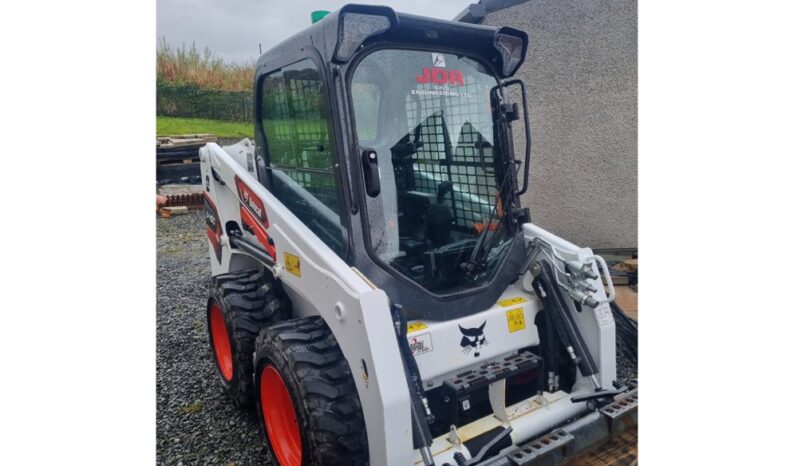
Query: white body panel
x=358, y=315
x=364, y=330
x=447, y=357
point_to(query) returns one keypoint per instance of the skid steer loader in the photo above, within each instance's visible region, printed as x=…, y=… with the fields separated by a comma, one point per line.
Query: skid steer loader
x=378, y=292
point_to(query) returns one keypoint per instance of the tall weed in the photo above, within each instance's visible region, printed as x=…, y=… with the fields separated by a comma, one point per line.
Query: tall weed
x=190, y=66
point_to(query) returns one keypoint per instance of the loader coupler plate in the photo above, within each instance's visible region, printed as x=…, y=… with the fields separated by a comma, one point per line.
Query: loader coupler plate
x=622, y=412
x=567, y=444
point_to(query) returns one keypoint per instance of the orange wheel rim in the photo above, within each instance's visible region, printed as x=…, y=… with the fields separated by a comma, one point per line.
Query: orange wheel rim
x=280, y=418
x=221, y=343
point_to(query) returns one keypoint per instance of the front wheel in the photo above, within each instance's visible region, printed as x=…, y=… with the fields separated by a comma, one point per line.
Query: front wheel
x=240, y=304
x=307, y=400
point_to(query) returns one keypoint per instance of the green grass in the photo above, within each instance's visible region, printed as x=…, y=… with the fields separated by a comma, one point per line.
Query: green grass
x=193, y=408
x=169, y=126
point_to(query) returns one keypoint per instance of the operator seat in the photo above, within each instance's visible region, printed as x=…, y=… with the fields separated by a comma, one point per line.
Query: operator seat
x=440, y=217
x=414, y=218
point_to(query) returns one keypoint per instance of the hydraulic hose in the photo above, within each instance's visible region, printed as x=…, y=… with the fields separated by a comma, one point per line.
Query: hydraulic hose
x=422, y=436
x=563, y=320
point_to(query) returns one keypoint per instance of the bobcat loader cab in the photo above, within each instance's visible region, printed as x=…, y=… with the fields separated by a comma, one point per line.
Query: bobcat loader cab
x=378, y=292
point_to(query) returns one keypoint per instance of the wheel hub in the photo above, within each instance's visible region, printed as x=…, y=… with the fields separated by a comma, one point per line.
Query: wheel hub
x=280, y=419
x=221, y=343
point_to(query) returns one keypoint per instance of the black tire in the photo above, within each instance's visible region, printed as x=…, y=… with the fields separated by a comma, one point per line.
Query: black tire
x=318, y=379
x=248, y=302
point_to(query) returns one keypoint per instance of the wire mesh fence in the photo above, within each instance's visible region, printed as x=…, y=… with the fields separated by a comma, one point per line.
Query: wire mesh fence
x=194, y=102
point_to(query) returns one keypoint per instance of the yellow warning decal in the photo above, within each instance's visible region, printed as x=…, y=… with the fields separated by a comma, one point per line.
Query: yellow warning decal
x=292, y=264
x=415, y=326
x=511, y=301
x=515, y=320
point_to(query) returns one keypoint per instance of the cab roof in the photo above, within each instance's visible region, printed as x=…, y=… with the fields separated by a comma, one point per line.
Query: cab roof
x=400, y=29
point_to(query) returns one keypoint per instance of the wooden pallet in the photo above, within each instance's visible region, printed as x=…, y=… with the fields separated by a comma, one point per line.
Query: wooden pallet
x=177, y=157
x=181, y=140
x=626, y=299
x=620, y=450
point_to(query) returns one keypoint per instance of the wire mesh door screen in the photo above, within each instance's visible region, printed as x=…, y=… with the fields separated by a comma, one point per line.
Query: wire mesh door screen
x=294, y=121
x=467, y=160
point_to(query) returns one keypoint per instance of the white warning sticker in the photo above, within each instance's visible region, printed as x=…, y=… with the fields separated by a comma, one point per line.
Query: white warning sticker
x=604, y=315
x=420, y=344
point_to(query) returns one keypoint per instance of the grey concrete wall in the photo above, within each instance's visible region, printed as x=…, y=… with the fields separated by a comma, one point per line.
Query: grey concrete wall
x=581, y=75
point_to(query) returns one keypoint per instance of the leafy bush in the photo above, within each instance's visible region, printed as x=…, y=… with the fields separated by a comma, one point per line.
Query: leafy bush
x=197, y=84
x=195, y=102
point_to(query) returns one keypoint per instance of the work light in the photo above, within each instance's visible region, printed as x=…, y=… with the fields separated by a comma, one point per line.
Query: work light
x=512, y=48
x=359, y=22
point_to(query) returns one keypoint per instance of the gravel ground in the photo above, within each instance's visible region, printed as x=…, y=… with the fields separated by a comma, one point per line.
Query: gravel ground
x=196, y=422
x=625, y=369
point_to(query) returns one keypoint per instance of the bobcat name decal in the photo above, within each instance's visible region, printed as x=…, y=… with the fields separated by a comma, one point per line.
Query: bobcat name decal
x=253, y=217
x=213, y=227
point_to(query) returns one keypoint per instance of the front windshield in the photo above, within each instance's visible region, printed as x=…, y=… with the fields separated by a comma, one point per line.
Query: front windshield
x=429, y=118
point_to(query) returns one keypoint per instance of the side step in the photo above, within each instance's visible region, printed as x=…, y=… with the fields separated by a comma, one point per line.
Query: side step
x=565, y=443
x=489, y=372
x=460, y=387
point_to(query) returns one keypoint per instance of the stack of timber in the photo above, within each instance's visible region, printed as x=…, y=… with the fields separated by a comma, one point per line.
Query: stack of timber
x=177, y=157
x=623, y=265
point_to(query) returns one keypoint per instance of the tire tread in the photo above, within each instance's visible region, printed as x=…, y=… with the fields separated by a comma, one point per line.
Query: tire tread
x=251, y=300
x=309, y=351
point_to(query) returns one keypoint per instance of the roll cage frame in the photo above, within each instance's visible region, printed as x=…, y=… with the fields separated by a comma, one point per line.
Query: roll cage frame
x=319, y=43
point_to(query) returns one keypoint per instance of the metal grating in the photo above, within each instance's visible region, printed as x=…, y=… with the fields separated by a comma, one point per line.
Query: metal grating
x=466, y=161
x=296, y=131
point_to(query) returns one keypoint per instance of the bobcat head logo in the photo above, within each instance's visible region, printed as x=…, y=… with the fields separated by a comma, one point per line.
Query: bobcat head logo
x=473, y=339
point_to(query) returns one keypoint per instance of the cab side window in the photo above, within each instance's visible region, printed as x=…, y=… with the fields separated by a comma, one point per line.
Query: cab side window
x=301, y=158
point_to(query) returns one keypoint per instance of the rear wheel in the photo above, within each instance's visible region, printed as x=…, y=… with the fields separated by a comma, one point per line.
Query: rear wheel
x=307, y=400
x=240, y=304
